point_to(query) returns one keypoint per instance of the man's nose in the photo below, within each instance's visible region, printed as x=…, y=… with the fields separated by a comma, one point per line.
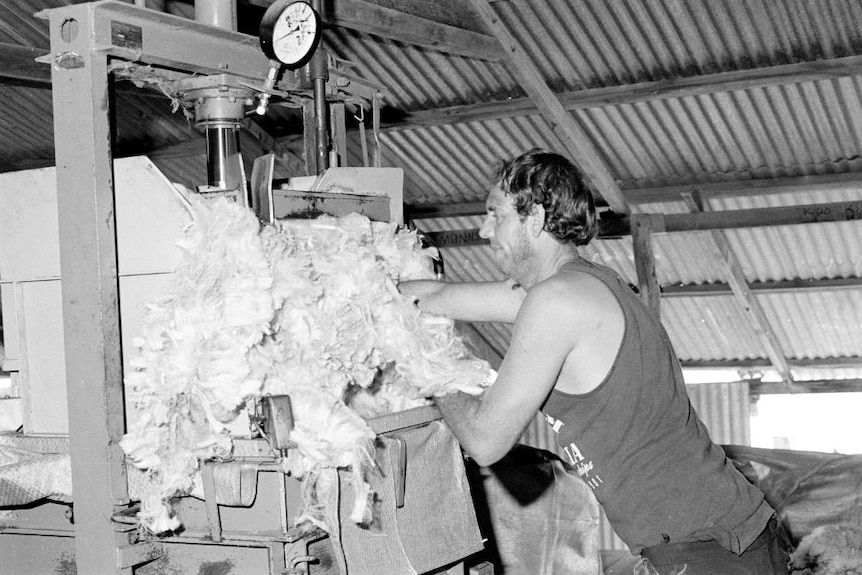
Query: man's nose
x=487, y=230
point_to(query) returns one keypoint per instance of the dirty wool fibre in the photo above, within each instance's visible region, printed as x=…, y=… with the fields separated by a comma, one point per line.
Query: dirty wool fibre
x=308, y=308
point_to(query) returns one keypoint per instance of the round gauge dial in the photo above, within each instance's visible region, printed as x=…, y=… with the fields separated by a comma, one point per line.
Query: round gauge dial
x=289, y=32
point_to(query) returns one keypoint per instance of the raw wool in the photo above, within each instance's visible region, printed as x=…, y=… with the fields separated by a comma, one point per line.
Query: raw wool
x=305, y=308
x=192, y=374
x=148, y=77
x=828, y=550
x=345, y=332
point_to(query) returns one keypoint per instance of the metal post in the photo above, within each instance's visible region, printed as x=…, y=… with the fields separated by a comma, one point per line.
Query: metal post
x=222, y=143
x=218, y=13
x=319, y=72
x=321, y=124
x=88, y=264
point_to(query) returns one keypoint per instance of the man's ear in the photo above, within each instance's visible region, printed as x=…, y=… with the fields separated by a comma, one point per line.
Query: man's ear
x=537, y=219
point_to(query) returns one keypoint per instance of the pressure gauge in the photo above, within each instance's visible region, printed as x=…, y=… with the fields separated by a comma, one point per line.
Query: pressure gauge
x=289, y=32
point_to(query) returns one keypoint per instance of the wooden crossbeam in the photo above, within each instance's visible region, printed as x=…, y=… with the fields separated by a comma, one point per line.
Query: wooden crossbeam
x=666, y=194
x=640, y=92
x=385, y=22
x=19, y=63
x=851, y=362
x=703, y=221
x=760, y=217
x=764, y=187
x=739, y=285
x=817, y=386
x=723, y=289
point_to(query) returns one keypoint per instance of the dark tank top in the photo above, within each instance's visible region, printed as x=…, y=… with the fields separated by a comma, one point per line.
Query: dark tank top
x=637, y=442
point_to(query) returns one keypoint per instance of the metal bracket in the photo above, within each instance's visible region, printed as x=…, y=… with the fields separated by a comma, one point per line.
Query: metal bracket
x=139, y=553
x=400, y=471
x=211, y=501
x=277, y=415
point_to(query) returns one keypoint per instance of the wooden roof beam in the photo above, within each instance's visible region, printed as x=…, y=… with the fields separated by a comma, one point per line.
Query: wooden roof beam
x=831, y=363
x=814, y=386
x=576, y=143
x=768, y=287
x=614, y=227
x=18, y=63
x=639, y=92
x=762, y=187
x=664, y=194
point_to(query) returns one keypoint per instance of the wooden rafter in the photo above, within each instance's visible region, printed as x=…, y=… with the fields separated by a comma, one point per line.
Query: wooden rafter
x=739, y=285
x=577, y=144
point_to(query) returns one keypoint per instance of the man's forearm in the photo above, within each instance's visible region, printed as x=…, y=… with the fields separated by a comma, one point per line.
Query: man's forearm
x=471, y=301
x=461, y=412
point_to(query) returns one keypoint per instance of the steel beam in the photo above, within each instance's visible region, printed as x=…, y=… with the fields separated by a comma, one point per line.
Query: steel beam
x=88, y=266
x=136, y=34
x=83, y=39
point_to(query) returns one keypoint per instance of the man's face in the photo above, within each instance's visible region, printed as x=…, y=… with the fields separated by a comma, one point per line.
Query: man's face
x=507, y=232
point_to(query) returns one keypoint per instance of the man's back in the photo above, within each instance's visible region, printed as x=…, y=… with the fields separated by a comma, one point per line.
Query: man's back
x=636, y=440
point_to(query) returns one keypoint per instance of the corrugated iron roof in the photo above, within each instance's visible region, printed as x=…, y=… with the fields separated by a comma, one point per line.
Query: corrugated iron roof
x=750, y=133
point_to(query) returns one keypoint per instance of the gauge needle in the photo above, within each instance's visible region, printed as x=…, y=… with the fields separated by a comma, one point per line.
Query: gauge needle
x=288, y=33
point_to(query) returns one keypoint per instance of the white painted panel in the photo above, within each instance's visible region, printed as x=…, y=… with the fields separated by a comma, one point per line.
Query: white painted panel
x=151, y=216
x=43, y=361
x=29, y=239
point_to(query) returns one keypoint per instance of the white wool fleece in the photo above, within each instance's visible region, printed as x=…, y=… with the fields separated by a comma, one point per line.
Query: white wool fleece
x=306, y=307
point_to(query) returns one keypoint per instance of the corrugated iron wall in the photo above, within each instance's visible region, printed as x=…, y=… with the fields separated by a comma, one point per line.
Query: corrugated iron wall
x=723, y=408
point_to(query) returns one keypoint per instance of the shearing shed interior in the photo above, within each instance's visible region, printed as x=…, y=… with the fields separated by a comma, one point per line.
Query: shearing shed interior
x=144, y=144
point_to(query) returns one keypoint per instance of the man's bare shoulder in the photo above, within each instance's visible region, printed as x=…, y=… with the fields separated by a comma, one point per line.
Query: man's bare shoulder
x=577, y=290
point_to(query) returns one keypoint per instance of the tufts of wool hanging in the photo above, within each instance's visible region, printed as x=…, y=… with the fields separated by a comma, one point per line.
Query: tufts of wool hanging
x=828, y=550
x=192, y=374
x=304, y=308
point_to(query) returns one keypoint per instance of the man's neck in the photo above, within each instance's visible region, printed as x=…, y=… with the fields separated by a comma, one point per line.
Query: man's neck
x=548, y=262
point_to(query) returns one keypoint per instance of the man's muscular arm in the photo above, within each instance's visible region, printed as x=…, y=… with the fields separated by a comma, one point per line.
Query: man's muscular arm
x=488, y=426
x=471, y=301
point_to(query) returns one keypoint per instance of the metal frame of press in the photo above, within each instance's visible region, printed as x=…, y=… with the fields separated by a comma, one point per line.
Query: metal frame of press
x=87, y=41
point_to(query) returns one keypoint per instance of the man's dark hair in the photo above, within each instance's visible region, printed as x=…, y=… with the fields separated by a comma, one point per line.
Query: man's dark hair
x=542, y=177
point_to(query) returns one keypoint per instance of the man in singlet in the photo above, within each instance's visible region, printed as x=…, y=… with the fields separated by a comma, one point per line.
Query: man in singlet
x=599, y=365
